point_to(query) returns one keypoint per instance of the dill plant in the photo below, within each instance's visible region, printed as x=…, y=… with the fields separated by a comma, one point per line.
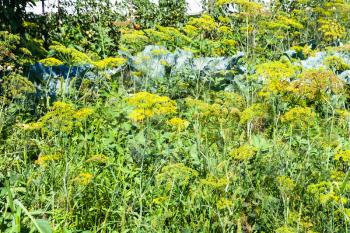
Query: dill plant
x=260, y=149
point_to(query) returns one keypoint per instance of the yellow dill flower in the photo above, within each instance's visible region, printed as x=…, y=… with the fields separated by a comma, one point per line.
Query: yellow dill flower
x=285, y=229
x=28, y=24
x=133, y=40
x=70, y=56
x=336, y=63
x=148, y=105
x=337, y=175
x=63, y=117
x=343, y=155
x=299, y=117
x=224, y=203
x=306, y=50
x=291, y=22
x=205, y=23
x=51, y=61
x=158, y=36
x=277, y=75
x=173, y=35
x=331, y=30
x=43, y=160
x=191, y=30
x=160, y=200
x=62, y=106
x=32, y=126
x=15, y=86
x=286, y=184
x=228, y=43
x=60, y=118
x=347, y=212
x=276, y=70
x=84, y=178
x=178, y=123
x=83, y=113
x=204, y=109
x=99, y=158
x=244, y=152
x=228, y=99
x=254, y=112
x=343, y=113
x=164, y=63
x=325, y=192
x=176, y=172
x=317, y=84
x=139, y=114
x=215, y=182
x=136, y=73
x=109, y=62
x=225, y=29
x=321, y=187
x=343, y=48
x=26, y=51
x=331, y=197
x=284, y=23
x=224, y=19
x=159, y=52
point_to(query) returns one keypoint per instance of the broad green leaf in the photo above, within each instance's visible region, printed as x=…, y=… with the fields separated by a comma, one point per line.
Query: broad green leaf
x=44, y=226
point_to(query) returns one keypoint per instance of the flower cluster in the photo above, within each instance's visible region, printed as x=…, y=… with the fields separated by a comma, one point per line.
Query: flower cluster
x=109, y=62
x=204, y=109
x=176, y=172
x=43, y=160
x=244, y=152
x=276, y=70
x=326, y=192
x=203, y=23
x=70, y=56
x=317, y=85
x=147, y=105
x=343, y=155
x=215, y=182
x=254, y=113
x=331, y=30
x=84, y=178
x=336, y=63
x=51, y=61
x=299, y=117
x=133, y=41
x=62, y=118
x=223, y=203
x=178, y=123
x=286, y=184
x=15, y=86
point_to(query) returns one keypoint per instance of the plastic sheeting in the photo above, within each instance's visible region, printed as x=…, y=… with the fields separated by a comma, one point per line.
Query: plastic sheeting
x=154, y=62
x=158, y=62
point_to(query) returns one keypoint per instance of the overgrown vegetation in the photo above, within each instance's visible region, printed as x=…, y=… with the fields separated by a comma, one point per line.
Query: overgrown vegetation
x=149, y=120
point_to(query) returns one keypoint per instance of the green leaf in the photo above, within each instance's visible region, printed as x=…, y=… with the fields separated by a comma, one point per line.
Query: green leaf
x=43, y=225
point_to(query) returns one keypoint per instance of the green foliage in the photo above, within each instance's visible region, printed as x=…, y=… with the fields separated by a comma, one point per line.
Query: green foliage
x=165, y=13
x=263, y=150
x=12, y=13
x=172, y=12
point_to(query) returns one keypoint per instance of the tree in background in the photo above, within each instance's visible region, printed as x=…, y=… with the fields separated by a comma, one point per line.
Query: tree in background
x=12, y=13
x=144, y=12
x=172, y=12
x=167, y=13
